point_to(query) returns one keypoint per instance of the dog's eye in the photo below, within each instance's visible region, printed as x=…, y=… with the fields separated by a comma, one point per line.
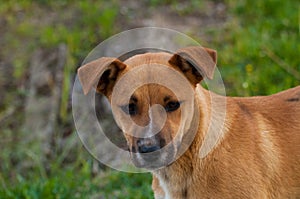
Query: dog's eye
x=172, y=106
x=130, y=109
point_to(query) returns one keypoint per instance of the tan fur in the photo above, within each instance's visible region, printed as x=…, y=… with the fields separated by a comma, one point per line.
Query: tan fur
x=257, y=156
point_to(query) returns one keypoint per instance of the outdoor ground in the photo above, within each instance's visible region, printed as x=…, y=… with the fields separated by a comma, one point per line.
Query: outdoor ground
x=44, y=42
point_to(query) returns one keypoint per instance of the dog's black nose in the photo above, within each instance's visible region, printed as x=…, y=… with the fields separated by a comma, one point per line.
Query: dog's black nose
x=148, y=149
x=147, y=146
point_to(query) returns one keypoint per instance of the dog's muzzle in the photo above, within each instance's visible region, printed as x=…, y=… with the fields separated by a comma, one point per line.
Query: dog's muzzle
x=148, y=145
x=151, y=153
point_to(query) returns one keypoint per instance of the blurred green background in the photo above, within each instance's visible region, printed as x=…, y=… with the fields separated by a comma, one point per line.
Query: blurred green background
x=44, y=42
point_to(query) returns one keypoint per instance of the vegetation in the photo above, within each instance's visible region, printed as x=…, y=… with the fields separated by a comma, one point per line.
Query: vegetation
x=258, y=48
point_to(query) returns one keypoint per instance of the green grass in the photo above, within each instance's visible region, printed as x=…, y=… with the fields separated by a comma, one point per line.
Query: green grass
x=258, y=51
x=64, y=183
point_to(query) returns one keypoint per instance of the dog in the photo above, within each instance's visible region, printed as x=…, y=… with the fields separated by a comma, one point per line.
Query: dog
x=257, y=154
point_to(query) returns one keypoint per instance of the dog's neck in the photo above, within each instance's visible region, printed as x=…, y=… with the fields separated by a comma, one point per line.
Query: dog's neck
x=174, y=185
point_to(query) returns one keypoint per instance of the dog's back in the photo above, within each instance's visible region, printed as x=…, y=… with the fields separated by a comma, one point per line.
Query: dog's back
x=268, y=128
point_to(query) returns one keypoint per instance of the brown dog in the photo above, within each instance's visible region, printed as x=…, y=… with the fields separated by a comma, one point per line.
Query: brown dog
x=257, y=154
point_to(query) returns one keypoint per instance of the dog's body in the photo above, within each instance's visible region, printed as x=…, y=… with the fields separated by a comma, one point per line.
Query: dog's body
x=257, y=156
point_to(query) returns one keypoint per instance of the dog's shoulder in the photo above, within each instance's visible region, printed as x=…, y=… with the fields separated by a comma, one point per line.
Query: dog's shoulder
x=290, y=95
x=284, y=99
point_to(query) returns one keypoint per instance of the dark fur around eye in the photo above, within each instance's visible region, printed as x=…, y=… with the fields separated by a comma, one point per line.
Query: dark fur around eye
x=172, y=106
x=130, y=109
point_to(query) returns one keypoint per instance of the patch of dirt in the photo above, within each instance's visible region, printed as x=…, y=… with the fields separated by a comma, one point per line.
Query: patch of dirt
x=211, y=14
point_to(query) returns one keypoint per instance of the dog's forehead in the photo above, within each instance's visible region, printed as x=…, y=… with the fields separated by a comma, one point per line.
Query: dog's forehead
x=149, y=58
x=147, y=82
x=154, y=91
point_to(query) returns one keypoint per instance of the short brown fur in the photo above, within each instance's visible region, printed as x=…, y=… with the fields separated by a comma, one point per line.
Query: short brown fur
x=258, y=157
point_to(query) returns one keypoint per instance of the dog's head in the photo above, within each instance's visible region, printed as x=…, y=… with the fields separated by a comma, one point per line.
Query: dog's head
x=155, y=110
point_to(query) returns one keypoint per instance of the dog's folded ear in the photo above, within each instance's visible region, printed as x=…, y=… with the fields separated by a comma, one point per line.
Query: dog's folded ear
x=195, y=62
x=101, y=73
